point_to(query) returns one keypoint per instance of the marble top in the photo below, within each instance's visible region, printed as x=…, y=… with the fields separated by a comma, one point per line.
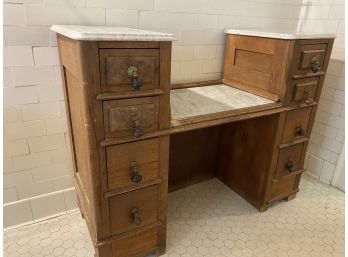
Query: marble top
x=99, y=33
x=196, y=101
x=281, y=34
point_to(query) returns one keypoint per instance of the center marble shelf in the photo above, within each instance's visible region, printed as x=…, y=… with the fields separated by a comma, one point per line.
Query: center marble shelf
x=198, y=101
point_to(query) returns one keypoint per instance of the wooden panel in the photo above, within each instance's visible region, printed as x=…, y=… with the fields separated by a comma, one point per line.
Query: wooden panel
x=289, y=160
x=282, y=187
x=119, y=158
x=257, y=65
x=118, y=116
x=245, y=156
x=144, y=200
x=253, y=61
x=305, y=89
x=193, y=157
x=115, y=62
x=296, y=121
x=135, y=245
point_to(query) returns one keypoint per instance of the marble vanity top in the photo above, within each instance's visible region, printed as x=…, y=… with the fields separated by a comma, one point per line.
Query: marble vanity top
x=278, y=34
x=196, y=101
x=99, y=33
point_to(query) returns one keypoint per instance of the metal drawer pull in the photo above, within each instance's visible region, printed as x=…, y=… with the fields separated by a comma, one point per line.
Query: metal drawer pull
x=132, y=72
x=136, y=177
x=300, y=131
x=314, y=65
x=135, y=216
x=290, y=166
x=309, y=99
x=137, y=130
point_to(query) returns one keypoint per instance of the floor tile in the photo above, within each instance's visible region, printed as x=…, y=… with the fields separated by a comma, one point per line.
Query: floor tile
x=208, y=219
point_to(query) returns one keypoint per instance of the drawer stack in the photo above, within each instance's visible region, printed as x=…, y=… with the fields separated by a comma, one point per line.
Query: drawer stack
x=118, y=105
x=134, y=98
x=306, y=76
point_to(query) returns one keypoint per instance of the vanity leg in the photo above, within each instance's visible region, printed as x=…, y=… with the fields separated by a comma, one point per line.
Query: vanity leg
x=290, y=197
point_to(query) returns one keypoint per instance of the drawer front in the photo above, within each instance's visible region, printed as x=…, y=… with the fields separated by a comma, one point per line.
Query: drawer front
x=132, y=163
x=133, y=209
x=305, y=90
x=282, y=187
x=289, y=160
x=311, y=58
x=117, y=76
x=135, y=245
x=296, y=124
x=130, y=117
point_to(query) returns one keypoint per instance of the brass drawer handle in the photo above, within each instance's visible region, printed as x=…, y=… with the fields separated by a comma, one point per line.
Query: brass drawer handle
x=300, y=131
x=132, y=72
x=308, y=96
x=135, y=216
x=290, y=166
x=314, y=65
x=136, y=177
x=137, y=130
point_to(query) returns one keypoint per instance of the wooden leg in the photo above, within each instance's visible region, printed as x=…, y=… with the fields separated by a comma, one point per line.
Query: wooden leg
x=263, y=208
x=290, y=197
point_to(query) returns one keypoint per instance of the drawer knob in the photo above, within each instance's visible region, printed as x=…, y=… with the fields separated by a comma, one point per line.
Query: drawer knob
x=132, y=72
x=135, y=216
x=290, y=166
x=308, y=96
x=314, y=65
x=300, y=131
x=137, y=130
x=136, y=177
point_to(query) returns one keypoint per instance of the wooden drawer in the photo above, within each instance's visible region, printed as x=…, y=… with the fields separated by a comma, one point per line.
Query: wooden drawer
x=133, y=209
x=289, y=160
x=296, y=124
x=311, y=58
x=305, y=90
x=130, y=117
x=132, y=163
x=282, y=188
x=114, y=64
x=140, y=244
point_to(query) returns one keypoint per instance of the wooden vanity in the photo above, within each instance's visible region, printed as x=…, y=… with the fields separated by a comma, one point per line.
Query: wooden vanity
x=135, y=137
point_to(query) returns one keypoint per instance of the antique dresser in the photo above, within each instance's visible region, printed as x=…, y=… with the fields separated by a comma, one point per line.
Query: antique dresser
x=134, y=135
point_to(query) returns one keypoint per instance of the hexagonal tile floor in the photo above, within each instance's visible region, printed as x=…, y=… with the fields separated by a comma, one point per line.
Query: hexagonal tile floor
x=208, y=219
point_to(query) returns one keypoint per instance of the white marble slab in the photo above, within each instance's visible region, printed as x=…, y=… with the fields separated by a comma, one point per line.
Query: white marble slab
x=99, y=33
x=283, y=34
x=197, y=101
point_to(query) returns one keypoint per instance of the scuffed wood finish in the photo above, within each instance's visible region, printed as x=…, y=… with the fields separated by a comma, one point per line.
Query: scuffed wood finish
x=100, y=103
x=257, y=65
x=118, y=116
x=138, y=245
x=245, y=155
x=115, y=62
x=296, y=124
x=143, y=200
x=119, y=158
x=289, y=160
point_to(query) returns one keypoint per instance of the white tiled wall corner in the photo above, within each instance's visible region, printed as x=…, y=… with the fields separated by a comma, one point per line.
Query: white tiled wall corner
x=37, y=208
x=33, y=95
x=327, y=137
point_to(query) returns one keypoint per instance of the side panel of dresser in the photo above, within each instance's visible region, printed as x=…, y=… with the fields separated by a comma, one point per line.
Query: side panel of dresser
x=80, y=72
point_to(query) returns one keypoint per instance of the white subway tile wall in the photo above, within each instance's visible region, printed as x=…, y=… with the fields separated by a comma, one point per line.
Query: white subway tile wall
x=327, y=138
x=37, y=156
